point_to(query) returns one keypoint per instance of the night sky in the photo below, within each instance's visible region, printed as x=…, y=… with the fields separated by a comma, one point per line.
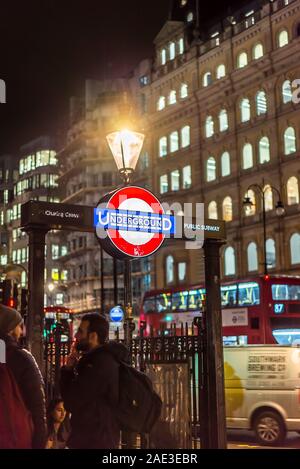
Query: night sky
x=49, y=47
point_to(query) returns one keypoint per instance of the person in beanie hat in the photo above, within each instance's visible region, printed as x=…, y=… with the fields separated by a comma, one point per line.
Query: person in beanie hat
x=26, y=373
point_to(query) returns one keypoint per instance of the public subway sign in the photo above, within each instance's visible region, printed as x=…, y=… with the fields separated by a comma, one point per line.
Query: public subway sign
x=131, y=222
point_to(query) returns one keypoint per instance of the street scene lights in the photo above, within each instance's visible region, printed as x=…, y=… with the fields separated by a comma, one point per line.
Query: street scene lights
x=280, y=210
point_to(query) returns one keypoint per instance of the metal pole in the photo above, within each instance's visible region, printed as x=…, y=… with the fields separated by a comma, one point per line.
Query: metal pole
x=214, y=389
x=128, y=323
x=102, y=280
x=115, y=273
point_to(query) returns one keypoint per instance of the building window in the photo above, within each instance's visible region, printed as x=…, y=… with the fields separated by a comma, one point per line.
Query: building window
x=55, y=251
x=185, y=136
x=172, y=97
x=181, y=271
x=289, y=141
x=295, y=248
x=283, y=38
x=55, y=275
x=252, y=257
x=164, y=186
x=258, y=51
x=221, y=71
x=190, y=17
x=271, y=253
x=213, y=210
x=209, y=127
x=225, y=164
x=207, y=79
x=261, y=103
x=242, y=60
x=161, y=103
x=163, y=56
x=227, y=209
x=247, y=156
x=181, y=46
x=292, y=191
x=59, y=299
x=175, y=180
x=229, y=259
x=187, y=177
x=264, y=150
x=287, y=92
x=211, y=169
x=174, y=141
x=184, y=91
x=170, y=269
x=223, y=120
x=249, y=211
x=163, y=146
x=268, y=195
x=172, y=50
x=245, y=110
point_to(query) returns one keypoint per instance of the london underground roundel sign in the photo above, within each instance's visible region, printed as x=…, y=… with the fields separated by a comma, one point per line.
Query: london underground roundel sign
x=131, y=223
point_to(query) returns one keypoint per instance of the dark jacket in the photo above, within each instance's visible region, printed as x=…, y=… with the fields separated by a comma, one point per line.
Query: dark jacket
x=30, y=382
x=91, y=393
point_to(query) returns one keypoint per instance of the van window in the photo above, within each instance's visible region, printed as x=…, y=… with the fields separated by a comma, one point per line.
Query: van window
x=285, y=292
x=286, y=336
x=249, y=294
x=229, y=295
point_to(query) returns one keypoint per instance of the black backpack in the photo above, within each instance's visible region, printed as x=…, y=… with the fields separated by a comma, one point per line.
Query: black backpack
x=139, y=405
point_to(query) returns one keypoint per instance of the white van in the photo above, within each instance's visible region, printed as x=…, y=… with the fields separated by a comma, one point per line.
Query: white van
x=262, y=390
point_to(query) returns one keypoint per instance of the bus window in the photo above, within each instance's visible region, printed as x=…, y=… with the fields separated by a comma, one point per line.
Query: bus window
x=285, y=292
x=228, y=295
x=195, y=299
x=180, y=301
x=286, y=336
x=149, y=305
x=249, y=294
x=235, y=340
x=163, y=302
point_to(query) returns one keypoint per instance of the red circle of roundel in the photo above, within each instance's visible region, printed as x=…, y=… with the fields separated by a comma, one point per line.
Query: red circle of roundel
x=120, y=243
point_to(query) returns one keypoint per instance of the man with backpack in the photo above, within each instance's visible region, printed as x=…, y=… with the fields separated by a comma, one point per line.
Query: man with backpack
x=22, y=399
x=90, y=385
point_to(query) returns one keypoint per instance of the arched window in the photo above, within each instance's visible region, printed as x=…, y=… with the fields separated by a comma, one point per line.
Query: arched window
x=289, y=141
x=261, y=103
x=271, y=253
x=225, y=164
x=264, y=150
x=163, y=56
x=292, y=188
x=227, y=209
x=229, y=260
x=163, y=146
x=252, y=257
x=221, y=71
x=295, y=248
x=245, y=110
x=207, y=79
x=249, y=211
x=242, y=60
x=185, y=136
x=287, y=92
x=170, y=269
x=209, y=127
x=172, y=97
x=247, y=156
x=174, y=141
x=258, y=51
x=184, y=91
x=283, y=38
x=268, y=195
x=161, y=103
x=213, y=210
x=172, y=50
x=211, y=169
x=223, y=120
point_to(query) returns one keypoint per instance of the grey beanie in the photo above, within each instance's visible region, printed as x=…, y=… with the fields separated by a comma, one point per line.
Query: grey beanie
x=9, y=319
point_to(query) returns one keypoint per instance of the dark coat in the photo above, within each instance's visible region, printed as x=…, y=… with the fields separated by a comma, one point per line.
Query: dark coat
x=30, y=382
x=91, y=393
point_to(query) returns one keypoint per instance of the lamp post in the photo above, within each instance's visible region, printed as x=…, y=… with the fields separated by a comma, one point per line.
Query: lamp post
x=247, y=203
x=126, y=146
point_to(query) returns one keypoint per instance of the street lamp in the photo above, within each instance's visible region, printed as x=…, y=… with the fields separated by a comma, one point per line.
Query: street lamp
x=280, y=210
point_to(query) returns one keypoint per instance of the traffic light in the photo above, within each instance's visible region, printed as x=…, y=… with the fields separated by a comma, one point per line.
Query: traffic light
x=24, y=302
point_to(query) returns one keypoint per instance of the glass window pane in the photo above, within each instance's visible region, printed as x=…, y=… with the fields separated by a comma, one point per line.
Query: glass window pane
x=228, y=295
x=180, y=301
x=187, y=177
x=149, y=305
x=164, y=186
x=249, y=294
x=174, y=142
x=295, y=248
x=175, y=180
x=292, y=191
x=196, y=298
x=287, y=93
x=211, y=169
x=185, y=136
x=282, y=292
x=264, y=150
x=225, y=164
x=163, y=302
x=289, y=141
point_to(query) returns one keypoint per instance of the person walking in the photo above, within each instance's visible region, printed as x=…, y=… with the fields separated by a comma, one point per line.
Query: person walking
x=28, y=382
x=90, y=385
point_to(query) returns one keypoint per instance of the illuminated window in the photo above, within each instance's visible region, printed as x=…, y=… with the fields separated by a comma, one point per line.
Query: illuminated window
x=59, y=299
x=287, y=92
x=175, y=180
x=184, y=91
x=258, y=51
x=289, y=141
x=164, y=186
x=249, y=211
x=261, y=103
x=161, y=103
x=271, y=253
x=225, y=164
x=55, y=251
x=209, y=127
x=229, y=261
x=172, y=51
x=170, y=269
x=295, y=248
x=53, y=158
x=174, y=141
x=264, y=150
x=163, y=56
x=213, y=210
x=211, y=169
x=181, y=271
x=163, y=146
x=268, y=195
x=172, y=97
x=245, y=110
x=185, y=136
x=242, y=60
x=207, y=79
x=292, y=191
x=187, y=177
x=252, y=257
x=223, y=120
x=221, y=71
x=55, y=274
x=227, y=209
x=283, y=38
x=247, y=156
x=190, y=17
x=181, y=45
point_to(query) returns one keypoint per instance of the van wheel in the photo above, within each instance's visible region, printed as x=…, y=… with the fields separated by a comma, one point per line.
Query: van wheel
x=269, y=428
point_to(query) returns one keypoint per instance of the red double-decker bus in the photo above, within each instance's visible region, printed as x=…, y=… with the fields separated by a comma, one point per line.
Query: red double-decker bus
x=256, y=310
x=61, y=315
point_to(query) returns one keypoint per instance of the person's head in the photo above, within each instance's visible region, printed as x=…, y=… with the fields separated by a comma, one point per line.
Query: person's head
x=56, y=411
x=11, y=322
x=92, y=332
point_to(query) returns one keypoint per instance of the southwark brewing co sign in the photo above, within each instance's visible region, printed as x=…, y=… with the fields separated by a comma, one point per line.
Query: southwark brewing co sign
x=130, y=222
